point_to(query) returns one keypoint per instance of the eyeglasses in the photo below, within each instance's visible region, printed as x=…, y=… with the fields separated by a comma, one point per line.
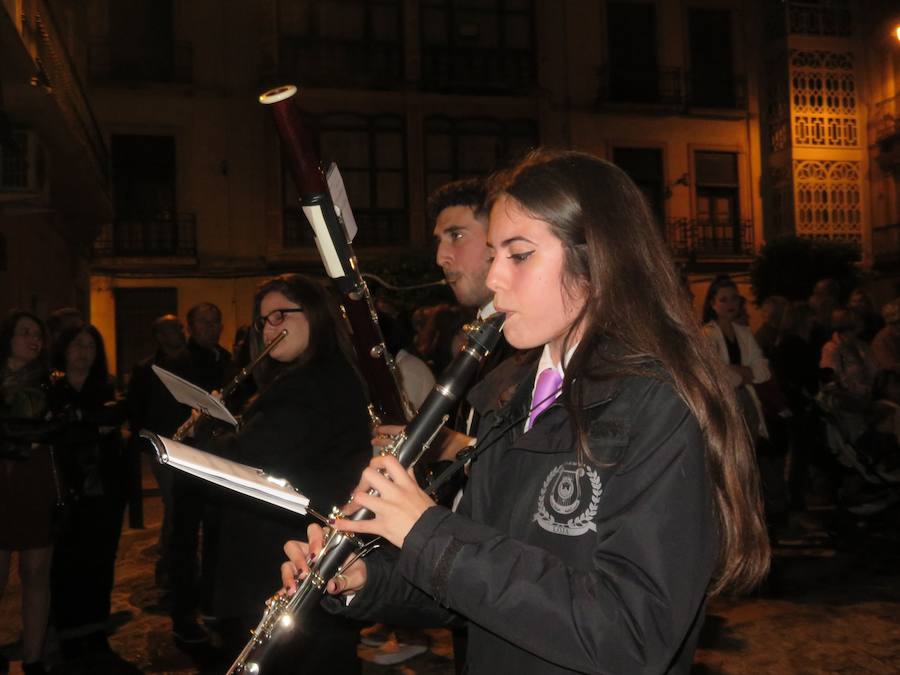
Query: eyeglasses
x=275, y=318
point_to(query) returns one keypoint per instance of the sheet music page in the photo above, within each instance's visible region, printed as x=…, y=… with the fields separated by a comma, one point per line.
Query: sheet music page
x=241, y=478
x=193, y=396
x=338, y=192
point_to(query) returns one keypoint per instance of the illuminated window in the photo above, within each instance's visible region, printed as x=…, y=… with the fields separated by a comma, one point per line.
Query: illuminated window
x=823, y=99
x=828, y=200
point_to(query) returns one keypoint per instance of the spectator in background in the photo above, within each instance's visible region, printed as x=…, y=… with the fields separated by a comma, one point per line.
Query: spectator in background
x=435, y=341
x=91, y=461
x=796, y=368
x=747, y=366
x=210, y=364
x=824, y=299
x=209, y=360
x=861, y=304
x=27, y=476
x=60, y=321
x=736, y=347
x=151, y=406
x=849, y=359
x=886, y=344
x=767, y=334
x=417, y=379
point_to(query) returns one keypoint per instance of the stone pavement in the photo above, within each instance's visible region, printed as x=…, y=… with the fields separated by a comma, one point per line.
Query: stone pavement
x=829, y=608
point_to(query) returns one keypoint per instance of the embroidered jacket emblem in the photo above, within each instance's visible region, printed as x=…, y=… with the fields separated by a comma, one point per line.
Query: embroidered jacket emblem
x=569, y=489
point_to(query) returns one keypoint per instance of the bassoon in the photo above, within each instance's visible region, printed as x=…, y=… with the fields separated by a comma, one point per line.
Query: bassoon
x=388, y=403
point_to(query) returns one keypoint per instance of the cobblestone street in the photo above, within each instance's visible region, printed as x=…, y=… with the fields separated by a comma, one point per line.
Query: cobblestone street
x=830, y=608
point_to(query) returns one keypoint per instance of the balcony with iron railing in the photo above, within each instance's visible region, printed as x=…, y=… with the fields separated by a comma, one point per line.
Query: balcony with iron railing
x=478, y=69
x=884, y=128
x=148, y=237
x=884, y=118
x=318, y=62
x=697, y=238
x=705, y=90
x=173, y=65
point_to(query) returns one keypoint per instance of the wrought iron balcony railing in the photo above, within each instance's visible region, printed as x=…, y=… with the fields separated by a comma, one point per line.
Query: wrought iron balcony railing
x=693, y=238
x=660, y=86
x=708, y=91
x=150, y=236
x=342, y=63
x=884, y=118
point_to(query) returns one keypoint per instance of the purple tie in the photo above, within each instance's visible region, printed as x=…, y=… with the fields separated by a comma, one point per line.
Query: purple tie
x=545, y=392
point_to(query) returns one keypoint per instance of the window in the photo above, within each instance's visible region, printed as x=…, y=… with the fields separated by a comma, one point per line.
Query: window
x=828, y=199
x=711, y=79
x=645, y=167
x=631, y=35
x=370, y=152
x=343, y=43
x=141, y=44
x=14, y=162
x=474, y=45
x=146, y=220
x=718, y=229
x=460, y=148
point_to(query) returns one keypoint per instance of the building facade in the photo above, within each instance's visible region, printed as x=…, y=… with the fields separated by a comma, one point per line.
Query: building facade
x=710, y=106
x=54, y=182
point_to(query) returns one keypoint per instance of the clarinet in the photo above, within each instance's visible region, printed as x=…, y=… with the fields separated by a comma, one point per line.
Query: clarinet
x=283, y=612
x=389, y=405
x=231, y=387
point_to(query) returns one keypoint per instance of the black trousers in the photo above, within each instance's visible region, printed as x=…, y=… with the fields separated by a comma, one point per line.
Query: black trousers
x=191, y=556
x=84, y=560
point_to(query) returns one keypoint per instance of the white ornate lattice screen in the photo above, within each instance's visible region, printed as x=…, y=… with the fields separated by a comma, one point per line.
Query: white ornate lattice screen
x=828, y=199
x=823, y=99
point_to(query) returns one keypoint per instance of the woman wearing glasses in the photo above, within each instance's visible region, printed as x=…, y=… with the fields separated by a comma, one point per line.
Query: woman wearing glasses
x=308, y=424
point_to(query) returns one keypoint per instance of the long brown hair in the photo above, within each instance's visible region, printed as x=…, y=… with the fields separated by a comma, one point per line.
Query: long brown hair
x=614, y=251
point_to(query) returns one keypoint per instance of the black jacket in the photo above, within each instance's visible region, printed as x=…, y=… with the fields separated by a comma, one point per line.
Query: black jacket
x=310, y=426
x=561, y=568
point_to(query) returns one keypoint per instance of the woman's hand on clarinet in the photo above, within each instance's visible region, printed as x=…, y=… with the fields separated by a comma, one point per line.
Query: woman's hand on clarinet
x=399, y=504
x=385, y=435
x=301, y=553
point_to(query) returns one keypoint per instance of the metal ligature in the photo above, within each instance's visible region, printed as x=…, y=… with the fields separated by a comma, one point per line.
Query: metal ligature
x=283, y=612
x=232, y=386
x=388, y=403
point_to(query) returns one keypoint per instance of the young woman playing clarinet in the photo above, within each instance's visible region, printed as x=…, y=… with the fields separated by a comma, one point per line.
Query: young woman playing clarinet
x=615, y=489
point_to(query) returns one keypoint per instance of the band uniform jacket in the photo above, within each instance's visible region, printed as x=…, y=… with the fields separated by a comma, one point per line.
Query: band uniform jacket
x=311, y=427
x=562, y=567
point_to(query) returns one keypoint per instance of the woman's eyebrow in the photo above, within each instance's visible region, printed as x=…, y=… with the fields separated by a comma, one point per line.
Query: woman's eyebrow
x=512, y=240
